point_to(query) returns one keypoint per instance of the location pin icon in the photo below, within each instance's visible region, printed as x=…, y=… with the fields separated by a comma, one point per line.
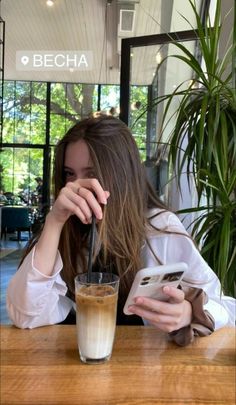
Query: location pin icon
x=24, y=60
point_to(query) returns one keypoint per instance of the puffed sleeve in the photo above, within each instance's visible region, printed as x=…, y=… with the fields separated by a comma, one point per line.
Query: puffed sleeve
x=177, y=246
x=34, y=299
x=200, y=275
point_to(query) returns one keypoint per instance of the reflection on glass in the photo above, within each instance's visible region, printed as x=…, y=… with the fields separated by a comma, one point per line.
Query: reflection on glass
x=160, y=75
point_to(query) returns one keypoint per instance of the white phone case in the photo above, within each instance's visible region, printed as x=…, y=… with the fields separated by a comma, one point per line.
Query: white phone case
x=149, y=282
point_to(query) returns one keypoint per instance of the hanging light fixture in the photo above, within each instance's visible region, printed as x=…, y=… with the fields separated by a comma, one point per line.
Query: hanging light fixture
x=50, y=3
x=158, y=58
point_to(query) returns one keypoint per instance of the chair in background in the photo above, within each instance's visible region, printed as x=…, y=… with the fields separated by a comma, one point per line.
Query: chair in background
x=10, y=197
x=16, y=219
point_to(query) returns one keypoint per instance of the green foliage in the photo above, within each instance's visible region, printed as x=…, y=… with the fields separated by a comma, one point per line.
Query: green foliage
x=19, y=169
x=206, y=119
x=138, y=97
x=24, y=112
x=25, y=122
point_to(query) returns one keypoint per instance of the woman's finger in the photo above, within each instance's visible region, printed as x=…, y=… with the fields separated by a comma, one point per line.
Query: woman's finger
x=175, y=295
x=65, y=207
x=85, y=198
x=152, y=304
x=90, y=201
x=153, y=317
x=94, y=186
x=83, y=205
x=173, y=315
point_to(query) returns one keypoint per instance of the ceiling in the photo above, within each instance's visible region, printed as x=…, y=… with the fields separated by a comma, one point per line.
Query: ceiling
x=86, y=25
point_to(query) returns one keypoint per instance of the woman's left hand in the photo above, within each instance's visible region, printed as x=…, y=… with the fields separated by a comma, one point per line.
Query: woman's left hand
x=166, y=316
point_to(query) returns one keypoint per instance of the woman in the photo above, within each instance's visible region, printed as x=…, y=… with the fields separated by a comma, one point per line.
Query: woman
x=98, y=170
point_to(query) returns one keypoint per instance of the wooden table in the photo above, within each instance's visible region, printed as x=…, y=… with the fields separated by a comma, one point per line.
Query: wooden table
x=42, y=366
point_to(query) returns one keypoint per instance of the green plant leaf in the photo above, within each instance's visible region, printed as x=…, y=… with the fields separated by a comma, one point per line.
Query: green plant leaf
x=202, y=143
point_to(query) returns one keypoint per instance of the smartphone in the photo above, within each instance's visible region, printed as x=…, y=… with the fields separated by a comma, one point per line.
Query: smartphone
x=150, y=281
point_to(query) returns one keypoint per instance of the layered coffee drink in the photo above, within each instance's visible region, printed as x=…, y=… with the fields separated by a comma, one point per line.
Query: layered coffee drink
x=96, y=306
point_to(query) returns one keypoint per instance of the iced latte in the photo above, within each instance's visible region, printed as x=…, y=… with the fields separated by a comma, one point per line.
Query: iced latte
x=96, y=306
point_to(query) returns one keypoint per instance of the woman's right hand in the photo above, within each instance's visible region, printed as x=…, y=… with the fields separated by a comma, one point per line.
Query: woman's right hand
x=81, y=198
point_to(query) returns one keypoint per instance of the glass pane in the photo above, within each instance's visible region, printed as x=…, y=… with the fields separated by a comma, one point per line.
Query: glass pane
x=58, y=111
x=173, y=75
x=51, y=174
x=8, y=111
x=110, y=99
x=159, y=78
x=24, y=112
x=163, y=74
x=88, y=99
x=143, y=69
x=57, y=128
x=69, y=103
x=58, y=97
x=20, y=167
x=38, y=113
x=138, y=124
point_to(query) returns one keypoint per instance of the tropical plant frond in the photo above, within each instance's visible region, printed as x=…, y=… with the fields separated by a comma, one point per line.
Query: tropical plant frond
x=202, y=142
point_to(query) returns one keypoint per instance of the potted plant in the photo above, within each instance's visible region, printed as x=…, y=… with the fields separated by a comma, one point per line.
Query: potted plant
x=206, y=118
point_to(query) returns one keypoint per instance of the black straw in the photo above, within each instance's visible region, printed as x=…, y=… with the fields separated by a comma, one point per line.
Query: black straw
x=91, y=248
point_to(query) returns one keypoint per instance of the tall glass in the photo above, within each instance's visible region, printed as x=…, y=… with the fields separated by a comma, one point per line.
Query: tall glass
x=96, y=308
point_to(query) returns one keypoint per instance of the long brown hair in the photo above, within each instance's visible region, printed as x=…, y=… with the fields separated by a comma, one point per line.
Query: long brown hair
x=118, y=168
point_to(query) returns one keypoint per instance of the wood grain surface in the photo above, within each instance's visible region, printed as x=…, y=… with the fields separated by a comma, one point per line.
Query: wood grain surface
x=42, y=366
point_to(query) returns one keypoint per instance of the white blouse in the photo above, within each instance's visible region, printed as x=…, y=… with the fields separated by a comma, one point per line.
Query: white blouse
x=34, y=299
